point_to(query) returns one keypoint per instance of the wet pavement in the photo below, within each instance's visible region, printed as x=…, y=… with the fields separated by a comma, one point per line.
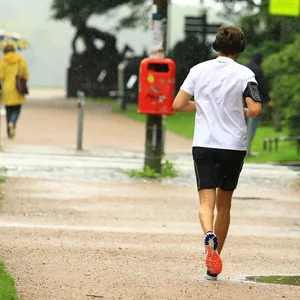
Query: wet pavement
x=285, y=280
x=111, y=166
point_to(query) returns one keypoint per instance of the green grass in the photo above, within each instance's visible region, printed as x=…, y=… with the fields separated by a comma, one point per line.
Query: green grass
x=287, y=151
x=167, y=170
x=7, y=285
x=2, y=180
x=183, y=124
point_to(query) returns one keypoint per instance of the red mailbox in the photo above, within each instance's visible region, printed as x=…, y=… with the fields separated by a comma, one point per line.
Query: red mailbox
x=157, y=86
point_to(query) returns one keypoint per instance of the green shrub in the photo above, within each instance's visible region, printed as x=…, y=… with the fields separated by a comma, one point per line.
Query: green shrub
x=167, y=170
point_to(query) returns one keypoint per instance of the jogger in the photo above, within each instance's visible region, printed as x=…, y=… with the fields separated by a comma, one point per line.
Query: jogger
x=220, y=87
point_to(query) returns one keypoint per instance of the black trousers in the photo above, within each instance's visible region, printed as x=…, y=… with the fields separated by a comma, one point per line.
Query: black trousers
x=12, y=114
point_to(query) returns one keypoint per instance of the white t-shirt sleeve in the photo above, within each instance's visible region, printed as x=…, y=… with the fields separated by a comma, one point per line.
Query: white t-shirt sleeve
x=188, y=85
x=249, y=77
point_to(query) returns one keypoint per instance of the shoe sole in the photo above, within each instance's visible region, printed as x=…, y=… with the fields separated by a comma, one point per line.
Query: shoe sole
x=213, y=260
x=211, y=278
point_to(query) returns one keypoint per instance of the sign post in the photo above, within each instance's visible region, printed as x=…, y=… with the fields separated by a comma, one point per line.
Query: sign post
x=154, y=124
x=199, y=26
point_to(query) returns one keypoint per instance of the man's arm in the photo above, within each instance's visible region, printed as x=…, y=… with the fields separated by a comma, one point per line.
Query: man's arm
x=253, y=109
x=253, y=100
x=182, y=102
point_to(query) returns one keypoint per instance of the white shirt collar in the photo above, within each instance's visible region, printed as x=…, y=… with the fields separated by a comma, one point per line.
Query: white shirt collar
x=224, y=59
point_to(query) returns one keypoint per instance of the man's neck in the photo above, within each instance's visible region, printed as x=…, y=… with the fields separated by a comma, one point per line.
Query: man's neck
x=234, y=57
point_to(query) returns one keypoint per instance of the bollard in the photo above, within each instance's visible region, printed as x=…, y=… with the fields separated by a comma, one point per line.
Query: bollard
x=270, y=145
x=121, y=85
x=276, y=140
x=265, y=144
x=80, y=105
x=249, y=134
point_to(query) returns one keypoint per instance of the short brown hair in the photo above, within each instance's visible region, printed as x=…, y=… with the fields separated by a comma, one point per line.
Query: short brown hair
x=230, y=40
x=9, y=48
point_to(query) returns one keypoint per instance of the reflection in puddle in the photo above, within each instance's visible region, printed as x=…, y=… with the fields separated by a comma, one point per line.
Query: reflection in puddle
x=287, y=280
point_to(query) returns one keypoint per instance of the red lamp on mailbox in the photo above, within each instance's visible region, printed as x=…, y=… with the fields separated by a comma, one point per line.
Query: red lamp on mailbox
x=157, y=86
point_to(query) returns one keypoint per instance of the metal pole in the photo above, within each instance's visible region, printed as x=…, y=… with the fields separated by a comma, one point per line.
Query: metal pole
x=154, y=127
x=164, y=128
x=121, y=85
x=249, y=134
x=265, y=144
x=80, y=104
x=276, y=143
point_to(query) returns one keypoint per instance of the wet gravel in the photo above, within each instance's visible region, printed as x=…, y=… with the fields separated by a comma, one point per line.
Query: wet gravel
x=270, y=178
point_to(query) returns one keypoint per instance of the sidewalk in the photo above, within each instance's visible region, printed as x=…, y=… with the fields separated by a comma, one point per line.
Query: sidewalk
x=49, y=122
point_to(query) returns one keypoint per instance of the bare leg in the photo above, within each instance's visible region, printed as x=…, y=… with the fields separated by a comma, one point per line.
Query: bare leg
x=207, y=206
x=222, y=222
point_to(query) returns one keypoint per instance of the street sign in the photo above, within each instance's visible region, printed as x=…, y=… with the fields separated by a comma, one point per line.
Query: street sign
x=199, y=25
x=285, y=7
x=194, y=24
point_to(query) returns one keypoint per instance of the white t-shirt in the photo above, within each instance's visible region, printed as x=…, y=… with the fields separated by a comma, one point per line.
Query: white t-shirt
x=218, y=86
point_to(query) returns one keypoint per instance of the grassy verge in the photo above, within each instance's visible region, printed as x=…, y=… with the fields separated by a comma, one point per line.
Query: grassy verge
x=287, y=151
x=2, y=180
x=7, y=285
x=183, y=124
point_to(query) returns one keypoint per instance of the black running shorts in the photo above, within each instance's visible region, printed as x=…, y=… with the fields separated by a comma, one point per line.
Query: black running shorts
x=217, y=168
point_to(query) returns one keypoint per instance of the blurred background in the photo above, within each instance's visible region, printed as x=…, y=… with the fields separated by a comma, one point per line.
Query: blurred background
x=81, y=45
x=51, y=39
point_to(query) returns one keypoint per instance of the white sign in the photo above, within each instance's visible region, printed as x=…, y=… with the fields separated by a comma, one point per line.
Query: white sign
x=157, y=43
x=131, y=82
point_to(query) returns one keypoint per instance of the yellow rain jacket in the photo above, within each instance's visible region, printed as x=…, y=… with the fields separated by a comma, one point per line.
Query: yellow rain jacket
x=11, y=65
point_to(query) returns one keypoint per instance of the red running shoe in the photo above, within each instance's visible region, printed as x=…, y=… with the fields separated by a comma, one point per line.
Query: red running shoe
x=213, y=260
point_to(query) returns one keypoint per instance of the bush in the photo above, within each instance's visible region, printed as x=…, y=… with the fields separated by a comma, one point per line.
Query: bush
x=167, y=170
x=282, y=69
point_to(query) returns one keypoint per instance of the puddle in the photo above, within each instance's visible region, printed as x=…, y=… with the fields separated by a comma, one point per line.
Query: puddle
x=285, y=280
x=250, y=198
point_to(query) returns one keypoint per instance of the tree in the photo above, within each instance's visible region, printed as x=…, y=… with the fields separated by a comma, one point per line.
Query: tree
x=79, y=11
x=258, y=25
x=236, y=7
x=270, y=35
x=282, y=69
x=186, y=54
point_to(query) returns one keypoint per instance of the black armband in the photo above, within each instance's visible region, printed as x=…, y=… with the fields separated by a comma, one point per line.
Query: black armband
x=252, y=91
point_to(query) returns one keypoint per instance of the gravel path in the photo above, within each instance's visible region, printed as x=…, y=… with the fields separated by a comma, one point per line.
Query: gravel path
x=75, y=226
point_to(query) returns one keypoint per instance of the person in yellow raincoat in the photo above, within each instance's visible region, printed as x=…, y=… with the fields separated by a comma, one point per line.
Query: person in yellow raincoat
x=11, y=65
